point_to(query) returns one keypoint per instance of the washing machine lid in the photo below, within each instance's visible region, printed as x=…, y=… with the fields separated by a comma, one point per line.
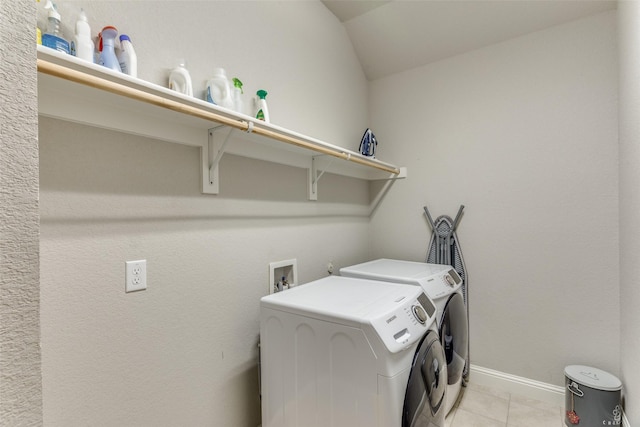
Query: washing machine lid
x=437, y=280
x=389, y=269
x=399, y=314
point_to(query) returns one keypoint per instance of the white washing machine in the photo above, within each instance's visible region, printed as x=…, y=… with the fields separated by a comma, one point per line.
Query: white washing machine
x=444, y=286
x=346, y=352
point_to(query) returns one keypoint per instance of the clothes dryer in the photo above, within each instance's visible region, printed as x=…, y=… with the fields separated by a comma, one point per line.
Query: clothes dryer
x=349, y=352
x=444, y=286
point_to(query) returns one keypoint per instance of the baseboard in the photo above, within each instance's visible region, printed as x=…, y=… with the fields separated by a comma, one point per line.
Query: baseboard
x=523, y=386
x=519, y=385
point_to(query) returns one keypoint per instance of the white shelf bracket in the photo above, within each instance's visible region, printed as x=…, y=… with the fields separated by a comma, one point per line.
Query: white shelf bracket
x=314, y=177
x=212, y=154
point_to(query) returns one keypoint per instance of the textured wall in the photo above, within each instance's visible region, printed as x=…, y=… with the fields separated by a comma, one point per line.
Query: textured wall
x=184, y=352
x=20, y=379
x=524, y=133
x=629, y=92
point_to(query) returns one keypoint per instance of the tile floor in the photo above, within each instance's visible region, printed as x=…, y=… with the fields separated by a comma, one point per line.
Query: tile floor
x=484, y=407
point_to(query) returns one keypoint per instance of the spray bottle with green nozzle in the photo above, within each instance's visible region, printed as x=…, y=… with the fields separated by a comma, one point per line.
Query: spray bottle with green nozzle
x=53, y=36
x=238, y=104
x=261, y=106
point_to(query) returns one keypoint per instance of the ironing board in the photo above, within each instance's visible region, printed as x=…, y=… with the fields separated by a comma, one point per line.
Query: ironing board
x=445, y=249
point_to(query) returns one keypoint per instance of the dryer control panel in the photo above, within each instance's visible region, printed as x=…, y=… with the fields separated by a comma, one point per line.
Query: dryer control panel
x=443, y=284
x=406, y=323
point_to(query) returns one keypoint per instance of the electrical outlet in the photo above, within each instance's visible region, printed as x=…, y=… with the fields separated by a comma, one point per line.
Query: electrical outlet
x=330, y=268
x=136, y=275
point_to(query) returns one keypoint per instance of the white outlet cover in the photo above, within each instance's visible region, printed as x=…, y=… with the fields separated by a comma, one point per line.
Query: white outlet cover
x=136, y=275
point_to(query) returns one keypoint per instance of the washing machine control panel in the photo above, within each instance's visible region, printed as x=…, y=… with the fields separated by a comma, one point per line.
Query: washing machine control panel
x=443, y=284
x=420, y=314
x=407, y=323
x=427, y=304
x=452, y=278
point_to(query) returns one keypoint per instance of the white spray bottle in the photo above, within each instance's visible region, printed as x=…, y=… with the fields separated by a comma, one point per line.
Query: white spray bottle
x=237, y=92
x=262, y=112
x=82, y=46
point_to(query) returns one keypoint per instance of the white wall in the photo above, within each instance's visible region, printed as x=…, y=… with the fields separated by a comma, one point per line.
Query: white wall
x=20, y=380
x=629, y=107
x=524, y=134
x=184, y=352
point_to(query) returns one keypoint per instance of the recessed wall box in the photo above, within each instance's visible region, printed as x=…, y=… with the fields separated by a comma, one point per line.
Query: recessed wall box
x=282, y=275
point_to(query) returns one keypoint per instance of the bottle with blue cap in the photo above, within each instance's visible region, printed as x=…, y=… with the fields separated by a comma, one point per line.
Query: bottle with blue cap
x=127, y=57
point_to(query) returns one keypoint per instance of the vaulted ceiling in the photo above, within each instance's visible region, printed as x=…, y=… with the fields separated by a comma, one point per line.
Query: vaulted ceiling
x=390, y=36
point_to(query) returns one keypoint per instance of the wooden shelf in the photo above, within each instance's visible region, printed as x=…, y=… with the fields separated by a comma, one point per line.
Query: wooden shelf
x=74, y=90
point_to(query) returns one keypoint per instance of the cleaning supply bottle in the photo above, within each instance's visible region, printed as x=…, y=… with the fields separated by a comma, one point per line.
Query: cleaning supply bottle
x=53, y=36
x=107, y=48
x=219, y=90
x=82, y=46
x=180, y=80
x=127, y=57
x=261, y=106
x=238, y=104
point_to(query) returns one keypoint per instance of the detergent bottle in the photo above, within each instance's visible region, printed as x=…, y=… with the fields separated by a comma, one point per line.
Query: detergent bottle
x=53, y=36
x=180, y=79
x=127, y=57
x=219, y=90
x=82, y=46
x=107, y=48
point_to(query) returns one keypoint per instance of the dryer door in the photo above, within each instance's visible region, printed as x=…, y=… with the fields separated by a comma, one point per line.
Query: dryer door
x=454, y=336
x=424, y=398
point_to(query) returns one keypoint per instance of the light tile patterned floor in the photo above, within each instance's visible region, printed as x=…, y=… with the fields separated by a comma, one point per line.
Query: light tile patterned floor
x=484, y=407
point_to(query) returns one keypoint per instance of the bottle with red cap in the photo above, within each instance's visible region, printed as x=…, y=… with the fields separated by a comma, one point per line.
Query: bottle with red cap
x=106, y=45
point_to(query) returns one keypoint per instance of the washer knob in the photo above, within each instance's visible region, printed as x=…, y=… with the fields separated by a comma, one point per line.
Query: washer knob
x=449, y=280
x=420, y=314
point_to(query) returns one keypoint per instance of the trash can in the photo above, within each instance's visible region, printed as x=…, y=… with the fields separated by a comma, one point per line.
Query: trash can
x=592, y=397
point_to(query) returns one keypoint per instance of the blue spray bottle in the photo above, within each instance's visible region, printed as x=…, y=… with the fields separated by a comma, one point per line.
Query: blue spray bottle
x=107, y=48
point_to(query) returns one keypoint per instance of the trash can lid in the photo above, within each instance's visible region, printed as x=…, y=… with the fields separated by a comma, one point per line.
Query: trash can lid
x=593, y=377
